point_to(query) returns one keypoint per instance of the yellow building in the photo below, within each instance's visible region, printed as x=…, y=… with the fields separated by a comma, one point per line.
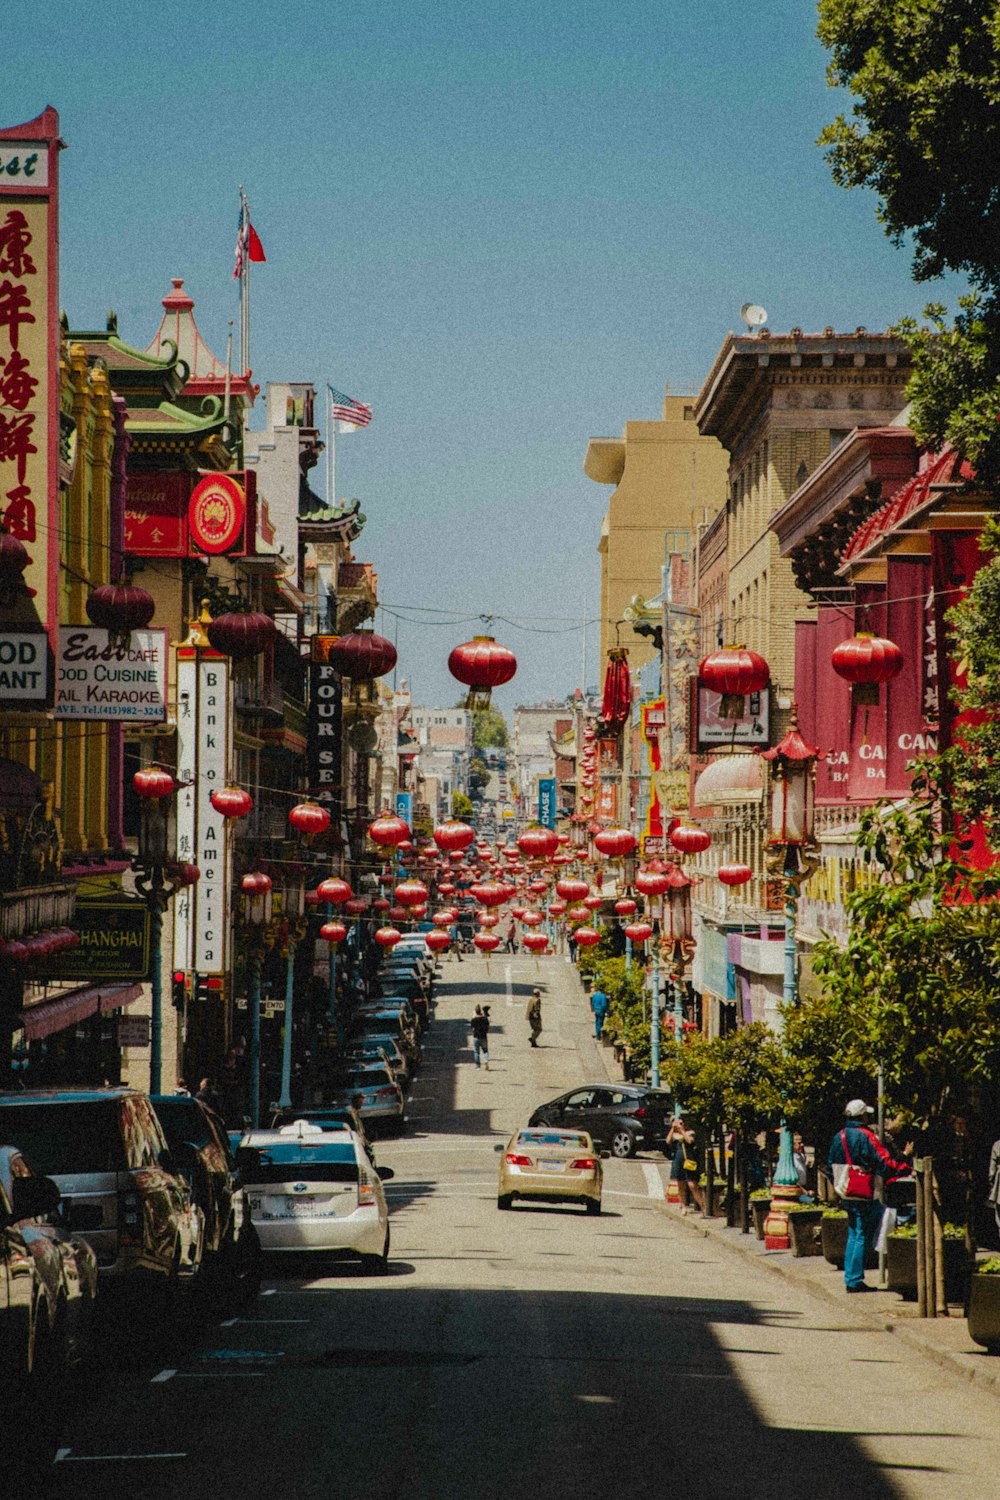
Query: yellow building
x=668, y=478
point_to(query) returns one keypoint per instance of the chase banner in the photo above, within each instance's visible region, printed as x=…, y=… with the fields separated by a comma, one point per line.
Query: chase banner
x=547, y=801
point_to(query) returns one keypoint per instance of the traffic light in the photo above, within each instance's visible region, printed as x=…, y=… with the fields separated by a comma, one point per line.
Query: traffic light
x=178, y=989
x=208, y=987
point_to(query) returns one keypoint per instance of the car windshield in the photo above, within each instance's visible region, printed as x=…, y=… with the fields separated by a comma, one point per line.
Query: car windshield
x=328, y=1162
x=64, y=1139
x=550, y=1138
x=182, y=1120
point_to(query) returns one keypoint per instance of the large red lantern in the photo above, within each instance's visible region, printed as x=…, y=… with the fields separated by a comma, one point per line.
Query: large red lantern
x=154, y=783
x=532, y=919
x=626, y=907
x=445, y=888
x=586, y=937
x=535, y=942
x=398, y=913
x=490, y=893
x=334, y=891
x=864, y=661
x=309, y=818
x=638, y=932
x=412, y=893
x=437, y=942
x=443, y=918
x=388, y=937
x=255, y=883
x=333, y=932
x=362, y=656
x=357, y=906
x=232, y=801
x=734, y=672
x=119, y=608
x=481, y=664
x=486, y=942
x=454, y=836
x=593, y=902
x=538, y=843
x=572, y=888
x=734, y=874
x=381, y=903
x=650, y=882
x=688, y=838
x=615, y=843
x=557, y=908
x=388, y=831
x=240, y=635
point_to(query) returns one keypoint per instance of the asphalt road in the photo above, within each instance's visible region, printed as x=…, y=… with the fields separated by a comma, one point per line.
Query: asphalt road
x=538, y=1353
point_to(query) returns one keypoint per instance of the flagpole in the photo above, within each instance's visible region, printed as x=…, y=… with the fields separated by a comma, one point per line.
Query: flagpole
x=242, y=290
x=331, y=452
x=246, y=272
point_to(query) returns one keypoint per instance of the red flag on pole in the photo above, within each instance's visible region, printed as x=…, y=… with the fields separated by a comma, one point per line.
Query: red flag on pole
x=255, y=250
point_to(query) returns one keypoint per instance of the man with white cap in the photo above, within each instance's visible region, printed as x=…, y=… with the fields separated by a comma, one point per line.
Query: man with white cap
x=856, y=1158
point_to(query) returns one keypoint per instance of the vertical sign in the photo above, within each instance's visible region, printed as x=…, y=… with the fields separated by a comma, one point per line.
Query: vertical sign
x=323, y=728
x=404, y=807
x=201, y=913
x=547, y=801
x=29, y=356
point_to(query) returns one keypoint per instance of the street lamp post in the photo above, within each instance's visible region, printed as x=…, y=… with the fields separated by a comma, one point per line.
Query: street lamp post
x=157, y=879
x=256, y=889
x=294, y=905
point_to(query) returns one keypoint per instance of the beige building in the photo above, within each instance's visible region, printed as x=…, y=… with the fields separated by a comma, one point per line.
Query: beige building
x=780, y=404
x=668, y=478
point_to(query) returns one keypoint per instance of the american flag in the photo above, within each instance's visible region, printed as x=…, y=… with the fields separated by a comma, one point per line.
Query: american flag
x=346, y=409
x=242, y=227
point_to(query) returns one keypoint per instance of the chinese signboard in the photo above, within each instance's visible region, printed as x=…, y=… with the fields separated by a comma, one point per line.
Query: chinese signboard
x=24, y=665
x=95, y=680
x=222, y=514
x=29, y=379
x=156, y=508
x=323, y=726
x=203, y=718
x=547, y=801
x=710, y=732
x=114, y=942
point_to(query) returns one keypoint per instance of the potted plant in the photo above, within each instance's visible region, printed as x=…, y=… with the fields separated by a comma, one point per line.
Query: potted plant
x=833, y=1235
x=901, y=1261
x=984, y=1304
x=760, y=1207
x=805, y=1222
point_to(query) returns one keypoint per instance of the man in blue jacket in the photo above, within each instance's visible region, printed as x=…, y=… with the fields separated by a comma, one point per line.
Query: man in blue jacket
x=858, y=1145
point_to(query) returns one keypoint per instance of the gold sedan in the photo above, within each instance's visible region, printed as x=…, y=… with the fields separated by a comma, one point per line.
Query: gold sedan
x=552, y=1166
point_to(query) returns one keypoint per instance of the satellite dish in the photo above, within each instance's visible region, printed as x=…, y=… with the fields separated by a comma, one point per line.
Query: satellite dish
x=753, y=316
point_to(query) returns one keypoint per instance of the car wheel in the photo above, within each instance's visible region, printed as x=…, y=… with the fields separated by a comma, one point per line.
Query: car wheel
x=592, y=1205
x=505, y=1200
x=377, y=1265
x=622, y=1144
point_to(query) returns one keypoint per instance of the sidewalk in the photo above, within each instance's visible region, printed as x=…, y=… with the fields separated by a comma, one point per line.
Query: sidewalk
x=943, y=1340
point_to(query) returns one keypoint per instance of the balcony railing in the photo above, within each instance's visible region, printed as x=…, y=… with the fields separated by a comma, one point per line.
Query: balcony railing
x=36, y=907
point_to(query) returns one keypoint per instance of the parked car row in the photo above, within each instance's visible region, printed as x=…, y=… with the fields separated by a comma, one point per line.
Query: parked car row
x=107, y=1195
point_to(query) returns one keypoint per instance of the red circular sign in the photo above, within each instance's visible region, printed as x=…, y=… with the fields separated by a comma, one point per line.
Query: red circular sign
x=215, y=513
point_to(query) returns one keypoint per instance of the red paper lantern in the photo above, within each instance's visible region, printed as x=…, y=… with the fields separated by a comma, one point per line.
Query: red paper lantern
x=626, y=907
x=650, y=882
x=615, y=843
x=488, y=919
x=255, y=883
x=734, y=672
x=593, y=902
x=388, y=937
x=486, y=942
x=638, y=932
x=154, y=783
x=490, y=893
x=362, y=656
x=240, y=635
x=16, y=952
x=388, y=831
x=356, y=906
x=411, y=893
x=535, y=942
x=232, y=802
x=399, y=914
x=381, y=903
x=481, y=664
x=334, y=891
x=866, y=660
x=437, y=942
x=734, y=874
x=445, y=888
x=572, y=888
x=454, y=836
x=333, y=932
x=557, y=908
x=185, y=874
x=538, y=843
x=532, y=919
x=587, y=936
x=442, y=918
x=688, y=838
x=119, y=609
x=309, y=818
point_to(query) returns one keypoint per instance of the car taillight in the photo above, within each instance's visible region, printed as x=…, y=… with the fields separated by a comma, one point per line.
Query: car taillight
x=584, y=1163
x=640, y=1113
x=129, y=1218
x=389, y=1089
x=517, y=1161
x=366, y=1191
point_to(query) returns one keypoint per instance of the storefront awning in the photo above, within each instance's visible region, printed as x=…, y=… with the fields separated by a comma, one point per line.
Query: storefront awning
x=66, y=1010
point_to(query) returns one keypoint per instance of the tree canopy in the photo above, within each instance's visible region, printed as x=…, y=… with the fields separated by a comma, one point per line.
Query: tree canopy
x=489, y=728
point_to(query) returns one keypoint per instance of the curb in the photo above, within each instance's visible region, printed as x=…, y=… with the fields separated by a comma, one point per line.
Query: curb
x=987, y=1378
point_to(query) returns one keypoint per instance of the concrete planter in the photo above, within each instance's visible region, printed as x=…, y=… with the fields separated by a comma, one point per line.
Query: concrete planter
x=833, y=1238
x=759, y=1209
x=901, y=1267
x=984, y=1311
x=805, y=1229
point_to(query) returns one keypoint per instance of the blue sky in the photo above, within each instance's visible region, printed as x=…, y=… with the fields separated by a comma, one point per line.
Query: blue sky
x=505, y=227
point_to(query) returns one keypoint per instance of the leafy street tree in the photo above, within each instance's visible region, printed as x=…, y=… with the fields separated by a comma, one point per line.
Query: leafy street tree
x=461, y=807
x=489, y=729
x=924, y=135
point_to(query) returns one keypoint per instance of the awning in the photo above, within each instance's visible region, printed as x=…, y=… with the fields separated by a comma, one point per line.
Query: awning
x=730, y=779
x=66, y=1010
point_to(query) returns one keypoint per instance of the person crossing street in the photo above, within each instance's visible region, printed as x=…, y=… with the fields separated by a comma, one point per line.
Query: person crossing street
x=533, y=1016
x=480, y=1028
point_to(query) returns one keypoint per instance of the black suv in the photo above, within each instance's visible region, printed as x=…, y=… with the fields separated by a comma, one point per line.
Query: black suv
x=622, y=1118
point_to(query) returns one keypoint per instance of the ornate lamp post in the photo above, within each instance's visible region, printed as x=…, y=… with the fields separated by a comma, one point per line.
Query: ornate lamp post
x=678, y=936
x=256, y=891
x=293, y=931
x=157, y=879
x=791, y=844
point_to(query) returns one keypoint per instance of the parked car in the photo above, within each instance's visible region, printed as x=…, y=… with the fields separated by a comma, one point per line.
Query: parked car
x=120, y=1188
x=201, y=1150
x=381, y=1106
x=551, y=1166
x=326, y=1117
x=313, y=1191
x=393, y=1023
x=621, y=1118
x=363, y=1050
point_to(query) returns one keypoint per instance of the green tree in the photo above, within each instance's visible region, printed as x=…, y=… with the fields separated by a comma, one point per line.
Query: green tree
x=479, y=776
x=489, y=728
x=461, y=807
x=970, y=771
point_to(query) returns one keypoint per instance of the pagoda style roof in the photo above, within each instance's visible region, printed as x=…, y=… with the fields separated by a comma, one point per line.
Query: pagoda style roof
x=320, y=522
x=179, y=332
x=169, y=436
x=142, y=379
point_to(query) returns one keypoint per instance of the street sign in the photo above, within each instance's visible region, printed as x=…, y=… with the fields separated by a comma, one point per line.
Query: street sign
x=133, y=1031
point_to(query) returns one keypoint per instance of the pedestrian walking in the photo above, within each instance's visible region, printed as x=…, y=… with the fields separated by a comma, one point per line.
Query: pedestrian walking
x=511, y=943
x=209, y=1094
x=599, y=1005
x=855, y=1159
x=533, y=1016
x=480, y=1028
x=684, y=1166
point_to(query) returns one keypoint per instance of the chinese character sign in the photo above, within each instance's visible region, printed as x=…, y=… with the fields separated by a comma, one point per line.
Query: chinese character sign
x=29, y=390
